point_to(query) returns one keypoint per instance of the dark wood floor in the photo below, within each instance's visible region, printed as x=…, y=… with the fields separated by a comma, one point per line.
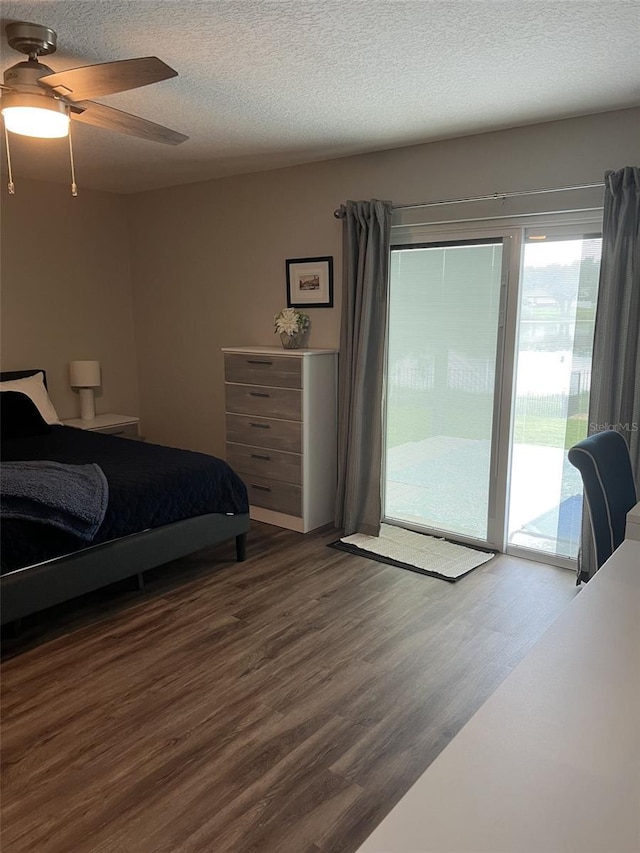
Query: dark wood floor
x=283, y=705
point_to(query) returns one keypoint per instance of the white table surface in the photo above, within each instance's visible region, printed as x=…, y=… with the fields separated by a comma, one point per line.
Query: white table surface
x=633, y=523
x=551, y=762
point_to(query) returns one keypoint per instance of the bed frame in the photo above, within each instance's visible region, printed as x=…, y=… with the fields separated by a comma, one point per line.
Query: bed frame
x=37, y=587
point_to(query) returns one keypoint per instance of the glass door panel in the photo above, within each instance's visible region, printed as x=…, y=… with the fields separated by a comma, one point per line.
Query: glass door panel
x=444, y=324
x=558, y=293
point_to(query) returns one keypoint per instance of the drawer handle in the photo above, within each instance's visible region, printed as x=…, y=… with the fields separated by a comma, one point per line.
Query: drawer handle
x=260, y=488
x=261, y=456
x=258, y=394
x=260, y=426
x=257, y=361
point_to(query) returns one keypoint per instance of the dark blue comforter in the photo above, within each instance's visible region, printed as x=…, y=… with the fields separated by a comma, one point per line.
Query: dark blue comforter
x=149, y=486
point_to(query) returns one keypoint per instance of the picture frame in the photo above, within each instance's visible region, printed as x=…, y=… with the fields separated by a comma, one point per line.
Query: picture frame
x=310, y=282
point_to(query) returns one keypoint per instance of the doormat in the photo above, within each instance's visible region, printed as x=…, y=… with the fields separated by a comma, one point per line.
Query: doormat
x=417, y=552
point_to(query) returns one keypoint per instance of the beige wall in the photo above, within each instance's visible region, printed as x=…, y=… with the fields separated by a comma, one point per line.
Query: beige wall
x=65, y=290
x=208, y=259
x=205, y=262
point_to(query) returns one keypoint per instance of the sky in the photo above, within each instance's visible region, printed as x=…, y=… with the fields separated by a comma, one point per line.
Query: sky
x=544, y=253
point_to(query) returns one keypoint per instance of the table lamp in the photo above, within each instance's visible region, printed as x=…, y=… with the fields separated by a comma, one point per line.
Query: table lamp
x=85, y=376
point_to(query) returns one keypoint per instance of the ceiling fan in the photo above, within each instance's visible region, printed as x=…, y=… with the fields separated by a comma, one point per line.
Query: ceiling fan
x=37, y=101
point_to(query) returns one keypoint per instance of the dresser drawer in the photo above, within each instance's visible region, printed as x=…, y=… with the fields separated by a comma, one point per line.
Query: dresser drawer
x=263, y=462
x=280, y=497
x=283, y=403
x=279, y=435
x=276, y=370
x=123, y=430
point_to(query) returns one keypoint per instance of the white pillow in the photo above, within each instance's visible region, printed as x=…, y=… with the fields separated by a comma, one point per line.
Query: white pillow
x=33, y=387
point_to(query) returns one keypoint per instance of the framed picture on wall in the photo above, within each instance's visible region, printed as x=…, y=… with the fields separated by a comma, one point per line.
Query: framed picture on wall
x=310, y=282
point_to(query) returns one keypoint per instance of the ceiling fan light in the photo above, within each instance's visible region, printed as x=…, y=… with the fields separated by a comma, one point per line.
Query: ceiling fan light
x=35, y=115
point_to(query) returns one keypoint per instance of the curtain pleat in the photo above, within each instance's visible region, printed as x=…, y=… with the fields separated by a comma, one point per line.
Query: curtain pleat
x=615, y=378
x=366, y=246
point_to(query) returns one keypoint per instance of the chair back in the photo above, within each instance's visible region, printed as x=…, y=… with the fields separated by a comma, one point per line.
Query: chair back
x=605, y=467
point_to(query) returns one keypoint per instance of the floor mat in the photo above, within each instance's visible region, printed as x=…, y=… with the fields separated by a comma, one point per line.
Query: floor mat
x=416, y=552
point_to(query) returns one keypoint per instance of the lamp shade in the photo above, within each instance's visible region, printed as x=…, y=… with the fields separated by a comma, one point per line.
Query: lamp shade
x=35, y=115
x=84, y=374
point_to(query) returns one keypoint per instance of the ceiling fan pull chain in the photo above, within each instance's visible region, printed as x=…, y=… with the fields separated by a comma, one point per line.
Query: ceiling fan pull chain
x=74, y=186
x=10, y=186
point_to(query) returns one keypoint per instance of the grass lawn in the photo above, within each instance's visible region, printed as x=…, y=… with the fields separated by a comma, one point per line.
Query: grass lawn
x=414, y=423
x=407, y=423
x=549, y=432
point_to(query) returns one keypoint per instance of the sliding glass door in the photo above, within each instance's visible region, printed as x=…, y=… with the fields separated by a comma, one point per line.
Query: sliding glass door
x=488, y=377
x=443, y=358
x=557, y=307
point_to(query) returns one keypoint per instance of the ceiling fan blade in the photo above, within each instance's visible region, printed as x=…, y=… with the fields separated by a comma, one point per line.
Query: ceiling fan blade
x=107, y=78
x=110, y=119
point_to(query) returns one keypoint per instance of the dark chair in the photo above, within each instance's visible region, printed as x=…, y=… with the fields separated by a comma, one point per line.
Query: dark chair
x=609, y=491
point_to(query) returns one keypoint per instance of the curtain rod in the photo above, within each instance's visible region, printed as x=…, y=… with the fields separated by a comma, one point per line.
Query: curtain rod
x=494, y=197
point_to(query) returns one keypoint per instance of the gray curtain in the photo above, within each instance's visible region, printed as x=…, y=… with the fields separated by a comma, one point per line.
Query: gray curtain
x=366, y=246
x=615, y=378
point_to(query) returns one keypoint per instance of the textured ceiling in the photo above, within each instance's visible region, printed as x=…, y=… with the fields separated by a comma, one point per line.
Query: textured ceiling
x=265, y=83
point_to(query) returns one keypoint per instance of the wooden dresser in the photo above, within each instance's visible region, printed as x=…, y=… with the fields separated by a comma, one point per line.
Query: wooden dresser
x=281, y=432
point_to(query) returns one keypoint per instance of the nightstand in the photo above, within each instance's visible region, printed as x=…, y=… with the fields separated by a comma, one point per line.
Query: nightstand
x=125, y=426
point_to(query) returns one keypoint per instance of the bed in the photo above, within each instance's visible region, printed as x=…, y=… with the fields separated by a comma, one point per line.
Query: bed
x=163, y=503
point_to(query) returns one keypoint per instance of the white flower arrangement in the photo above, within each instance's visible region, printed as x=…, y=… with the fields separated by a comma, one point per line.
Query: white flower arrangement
x=290, y=321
